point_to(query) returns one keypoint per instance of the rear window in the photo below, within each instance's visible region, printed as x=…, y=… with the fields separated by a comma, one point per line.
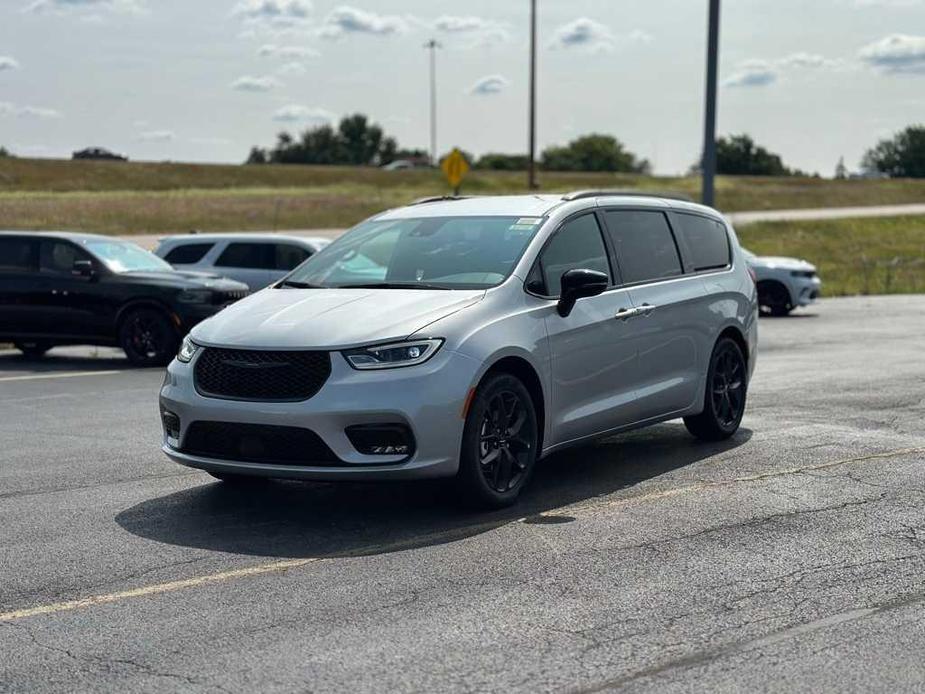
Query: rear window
x=645, y=247
x=17, y=255
x=706, y=240
x=188, y=253
x=253, y=256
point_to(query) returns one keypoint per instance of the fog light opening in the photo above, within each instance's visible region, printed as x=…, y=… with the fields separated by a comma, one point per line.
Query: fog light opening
x=381, y=439
x=171, y=423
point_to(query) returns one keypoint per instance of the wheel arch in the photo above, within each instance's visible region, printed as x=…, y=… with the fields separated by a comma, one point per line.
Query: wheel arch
x=524, y=370
x=736, y=335
x=767, y=284
x=130, y=306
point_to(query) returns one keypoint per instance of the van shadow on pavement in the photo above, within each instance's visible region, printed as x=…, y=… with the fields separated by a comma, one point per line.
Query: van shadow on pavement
x=303, y=519
x=13, y=362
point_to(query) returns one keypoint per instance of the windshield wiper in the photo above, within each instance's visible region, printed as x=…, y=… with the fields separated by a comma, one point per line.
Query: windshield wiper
x=392, y=285
x=299, y=285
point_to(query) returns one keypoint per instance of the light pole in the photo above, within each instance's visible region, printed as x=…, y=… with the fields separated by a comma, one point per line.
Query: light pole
x=709, y=134
x=531, y=159
x=432, y=46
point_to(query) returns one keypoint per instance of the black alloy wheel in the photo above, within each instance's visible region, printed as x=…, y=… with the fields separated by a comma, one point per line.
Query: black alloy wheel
x=726, y=394
x=148, y=338
x=774, y=300
x=499, y=443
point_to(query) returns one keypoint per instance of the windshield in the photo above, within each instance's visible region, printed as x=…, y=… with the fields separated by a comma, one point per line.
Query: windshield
x=425, y=253
x=126, y=257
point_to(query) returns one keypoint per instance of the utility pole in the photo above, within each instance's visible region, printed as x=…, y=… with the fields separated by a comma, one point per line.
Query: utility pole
x=531, y=159
x=709, y=134
x=432, y=46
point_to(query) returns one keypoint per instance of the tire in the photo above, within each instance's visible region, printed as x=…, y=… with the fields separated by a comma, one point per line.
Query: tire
x=500, y=441
x=148, y=338
x=33, y=350
x=774, y=299
x=725, y=395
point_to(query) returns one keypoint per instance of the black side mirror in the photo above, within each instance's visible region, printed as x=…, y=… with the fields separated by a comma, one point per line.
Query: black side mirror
x=83, y=268
x=578, y=284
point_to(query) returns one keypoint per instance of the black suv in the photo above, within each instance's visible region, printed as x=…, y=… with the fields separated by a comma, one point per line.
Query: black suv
x=67, y=289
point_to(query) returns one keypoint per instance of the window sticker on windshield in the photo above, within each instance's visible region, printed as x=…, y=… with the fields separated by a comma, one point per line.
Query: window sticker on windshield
x=526, y=223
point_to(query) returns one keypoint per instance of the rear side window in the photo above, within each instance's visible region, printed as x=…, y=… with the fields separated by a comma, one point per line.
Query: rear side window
x=188, y=253
x=59, y=256
x=706, y=240
x=255, y=256
x=645, y=247
x=289, y=256
x=578, y=245
x=17, y=255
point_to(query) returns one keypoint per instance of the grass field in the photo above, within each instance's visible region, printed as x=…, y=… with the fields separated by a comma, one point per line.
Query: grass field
x=854, y=256
x=133, y=197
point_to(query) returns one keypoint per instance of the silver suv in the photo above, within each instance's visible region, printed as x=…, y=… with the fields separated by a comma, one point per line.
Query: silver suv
x=468, y=338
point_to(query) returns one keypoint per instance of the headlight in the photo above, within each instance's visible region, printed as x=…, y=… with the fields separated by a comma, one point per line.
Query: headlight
x=187, y=350
x=195, y=296
x=394, y=355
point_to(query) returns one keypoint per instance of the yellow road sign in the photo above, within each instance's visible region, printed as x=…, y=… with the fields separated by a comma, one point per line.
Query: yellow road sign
x=455, y=167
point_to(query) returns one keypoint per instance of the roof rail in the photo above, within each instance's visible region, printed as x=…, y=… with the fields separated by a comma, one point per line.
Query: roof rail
x=629, y=193
x=440, y=198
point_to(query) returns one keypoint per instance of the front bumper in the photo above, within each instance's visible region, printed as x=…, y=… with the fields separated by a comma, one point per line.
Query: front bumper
x=804, y=291
x=428, y=398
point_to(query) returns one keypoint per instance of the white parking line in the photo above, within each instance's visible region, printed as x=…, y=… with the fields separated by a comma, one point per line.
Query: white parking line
x=69, y=374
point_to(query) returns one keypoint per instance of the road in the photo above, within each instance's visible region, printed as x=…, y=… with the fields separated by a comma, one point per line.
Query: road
x=788, y=559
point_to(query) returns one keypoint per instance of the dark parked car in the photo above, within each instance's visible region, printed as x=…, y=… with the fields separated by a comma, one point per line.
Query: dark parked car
x=98, y=153
x=59, y=288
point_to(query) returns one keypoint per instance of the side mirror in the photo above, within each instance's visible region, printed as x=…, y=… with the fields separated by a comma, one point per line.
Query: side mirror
x=578, y=284
x=83, y=268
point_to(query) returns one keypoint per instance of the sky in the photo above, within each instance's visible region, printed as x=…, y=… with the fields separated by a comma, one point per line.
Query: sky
x=204, y=80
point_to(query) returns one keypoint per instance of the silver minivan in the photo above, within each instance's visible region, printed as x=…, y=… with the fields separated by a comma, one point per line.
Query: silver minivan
x=468, y=338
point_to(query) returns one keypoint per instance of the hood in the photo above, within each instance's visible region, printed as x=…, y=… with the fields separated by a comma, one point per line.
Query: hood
x=780, y=262
x=329, y=318
x=187, y=280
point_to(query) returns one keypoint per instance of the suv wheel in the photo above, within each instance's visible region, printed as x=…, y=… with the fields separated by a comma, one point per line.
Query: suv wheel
x=774, y=299
x=33, y=350
x=499, y=448
x=724, y=400
x=148, y=338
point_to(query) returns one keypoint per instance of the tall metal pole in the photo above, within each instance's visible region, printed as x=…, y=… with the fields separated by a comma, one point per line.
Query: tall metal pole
x=432, y=46
x=709, y=134
x=531, y=161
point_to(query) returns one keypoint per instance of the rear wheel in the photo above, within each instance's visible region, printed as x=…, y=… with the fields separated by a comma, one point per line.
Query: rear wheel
x=33, y=350
x=774, y=299
x=148, y=337
x=499, y=448
x=724, y=400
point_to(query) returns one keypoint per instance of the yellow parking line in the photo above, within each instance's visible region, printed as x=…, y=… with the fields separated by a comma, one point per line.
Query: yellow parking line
x=68, y=374
x=156, y=589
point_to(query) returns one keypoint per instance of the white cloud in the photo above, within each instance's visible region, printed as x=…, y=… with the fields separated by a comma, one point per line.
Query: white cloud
x=287, y=52
x=583, y=33
x=803, y=60
x=278, y=11
x=476, y=30
x=345, y=20
x=157, y=136
x=295, y=113
x=94, y=6
x=255, y=84
x=8, y=63
x=8, y=109
x=752, y=73
x=898, y=53
x=491, y=84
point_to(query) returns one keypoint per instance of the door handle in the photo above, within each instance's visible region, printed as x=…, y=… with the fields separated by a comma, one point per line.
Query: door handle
x=646, y=309
x=625, y=314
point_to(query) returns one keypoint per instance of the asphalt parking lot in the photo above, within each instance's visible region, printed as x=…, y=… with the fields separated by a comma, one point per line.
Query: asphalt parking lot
x=790, y=558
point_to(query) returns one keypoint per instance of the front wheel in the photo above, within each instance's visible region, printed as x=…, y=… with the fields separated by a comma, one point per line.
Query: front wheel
x=724, y=400
x=500, y=441
x=148, y=337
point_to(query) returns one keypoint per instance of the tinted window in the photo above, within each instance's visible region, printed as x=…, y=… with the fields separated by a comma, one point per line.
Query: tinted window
x=577, y=245
x=187, y=253
x=289, y=256
x=256, y=256
x=17, y=255
x=706, y=240
x=59, y=256
x=644, y=245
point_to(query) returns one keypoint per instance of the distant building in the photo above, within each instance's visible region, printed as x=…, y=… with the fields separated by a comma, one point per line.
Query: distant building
x=98, y=153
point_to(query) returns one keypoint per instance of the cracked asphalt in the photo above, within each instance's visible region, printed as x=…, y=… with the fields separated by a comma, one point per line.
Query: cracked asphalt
x=791, y=558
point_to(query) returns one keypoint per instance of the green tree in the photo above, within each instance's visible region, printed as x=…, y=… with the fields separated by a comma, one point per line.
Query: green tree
x=738, y=155
x=361, y=140
x=502, y=162
x=4, y=152
x=902, y=156
x=594, y=152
